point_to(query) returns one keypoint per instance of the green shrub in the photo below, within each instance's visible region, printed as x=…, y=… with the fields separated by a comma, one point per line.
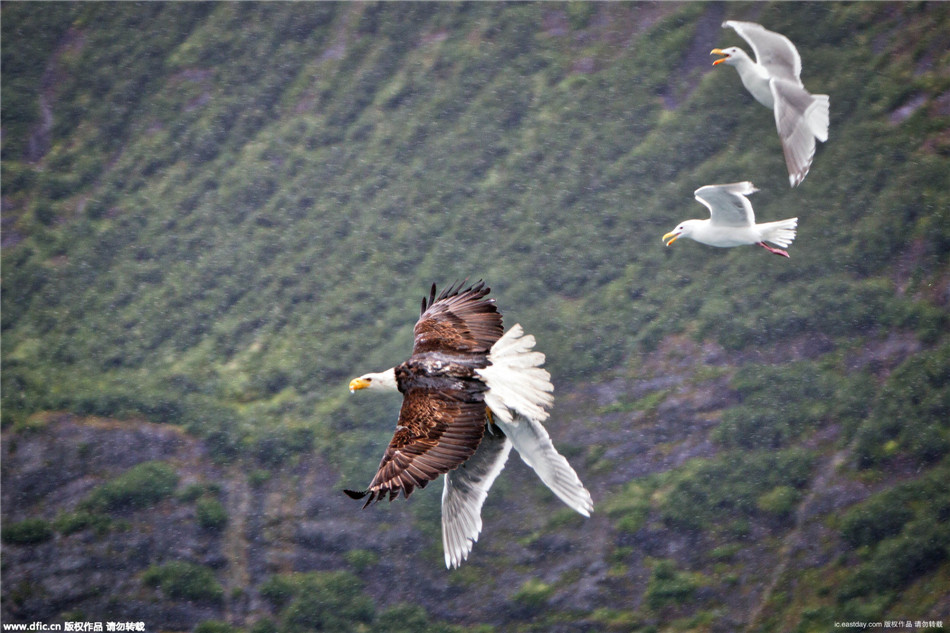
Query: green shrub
x=69, y=522
x=403, y=618
x=323, y=601
x=327, y=601
x=780, y=501
x=279, y=590
x=911, y=414
x=361, y=559
x=630, y=507
x=725, y=552
x=412, y=618
x=258, y=477
x=210, y=514
x=876, y=519
x=27, y=532
x=264, y=625
x=191, y=492
x=275, y=446
x=669, y=586
x=533, y=594
x=704, y=493
x=900, y=560
x=140, y=486
x=216, y=257
x=181, y=580
x=214, y=626
x=779, y=404
x=921, y=548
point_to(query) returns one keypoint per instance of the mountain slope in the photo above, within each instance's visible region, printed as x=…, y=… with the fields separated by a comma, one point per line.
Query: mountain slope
x=214, y=215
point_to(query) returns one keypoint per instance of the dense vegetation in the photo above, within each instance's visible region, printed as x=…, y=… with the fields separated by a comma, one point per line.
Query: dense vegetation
x=215, y=214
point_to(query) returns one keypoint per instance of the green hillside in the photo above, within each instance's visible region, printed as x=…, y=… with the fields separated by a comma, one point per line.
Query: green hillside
x=216, y=214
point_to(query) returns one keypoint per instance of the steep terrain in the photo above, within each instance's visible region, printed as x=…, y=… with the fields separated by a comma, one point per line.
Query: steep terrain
x=214, y=215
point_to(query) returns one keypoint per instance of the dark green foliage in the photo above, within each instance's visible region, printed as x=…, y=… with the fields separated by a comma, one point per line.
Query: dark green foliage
x=779, y=403
x=902, y=532
x=225, y=272
x=533, y=595
x=410, y=618
x=210, y=514
x=191, y=492
x=874, y=520
x=710, y=493
x=276, y=446
x=335, y=602
x=238, y=209
x=138, y=487
x=181, y=580
x=67, y=523
x=278, y=591
x=264, y=625
x=360, y=559
x=897, y=561
x=214, y=626
x=911, y=413
x=327, y=606
x=321, y=601
x=631, y=507
x=38, y=33
x=669, y=586
x=27, y=532
x=780, y=501
x=403, y=618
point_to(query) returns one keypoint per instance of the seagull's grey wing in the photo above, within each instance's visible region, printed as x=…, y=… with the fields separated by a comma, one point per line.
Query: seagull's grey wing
x=727, y=204
x=797, y=115
x=465, y=490
x=534, y=445
x=773, y=50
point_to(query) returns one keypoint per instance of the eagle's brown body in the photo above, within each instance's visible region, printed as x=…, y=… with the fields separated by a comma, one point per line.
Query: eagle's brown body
x=443, y=414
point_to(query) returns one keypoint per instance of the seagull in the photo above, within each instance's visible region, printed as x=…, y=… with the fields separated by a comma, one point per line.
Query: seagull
x=773, y=79
x=732, y=221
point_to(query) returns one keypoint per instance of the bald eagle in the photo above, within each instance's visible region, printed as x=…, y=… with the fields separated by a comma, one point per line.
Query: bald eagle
x=470, y=393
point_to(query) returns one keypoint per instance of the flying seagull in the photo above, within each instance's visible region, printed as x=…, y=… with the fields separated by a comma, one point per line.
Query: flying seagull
x=732, y=221
x=773, y=79
x=469, y=395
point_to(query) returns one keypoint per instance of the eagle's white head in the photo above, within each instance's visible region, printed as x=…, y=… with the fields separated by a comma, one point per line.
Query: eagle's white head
x=385, y=381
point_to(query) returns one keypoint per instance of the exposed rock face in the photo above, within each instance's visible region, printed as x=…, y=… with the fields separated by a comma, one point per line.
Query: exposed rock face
x=297, y=519
x=48, y=472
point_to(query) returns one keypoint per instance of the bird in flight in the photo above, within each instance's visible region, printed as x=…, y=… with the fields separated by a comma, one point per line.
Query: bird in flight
x=732, y=222
x=471, y=392
x=773, y=79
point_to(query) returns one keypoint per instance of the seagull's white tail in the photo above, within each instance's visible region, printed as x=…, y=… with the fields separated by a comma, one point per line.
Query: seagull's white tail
x=519, y=392
x=817, y=116
x=781, y=233
x=516, y=381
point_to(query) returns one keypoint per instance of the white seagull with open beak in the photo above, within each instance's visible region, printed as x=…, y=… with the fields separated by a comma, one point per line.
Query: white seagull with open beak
x=732, y=221
x=773, y=79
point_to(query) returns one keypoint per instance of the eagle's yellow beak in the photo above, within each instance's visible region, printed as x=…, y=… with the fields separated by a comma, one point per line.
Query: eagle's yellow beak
x=358, y=383
x=672, y=237
x=717, y=51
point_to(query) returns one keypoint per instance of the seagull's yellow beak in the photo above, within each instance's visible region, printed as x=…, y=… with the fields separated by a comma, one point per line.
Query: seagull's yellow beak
x=717, y=51
x=672, y=236
x=358, y=383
